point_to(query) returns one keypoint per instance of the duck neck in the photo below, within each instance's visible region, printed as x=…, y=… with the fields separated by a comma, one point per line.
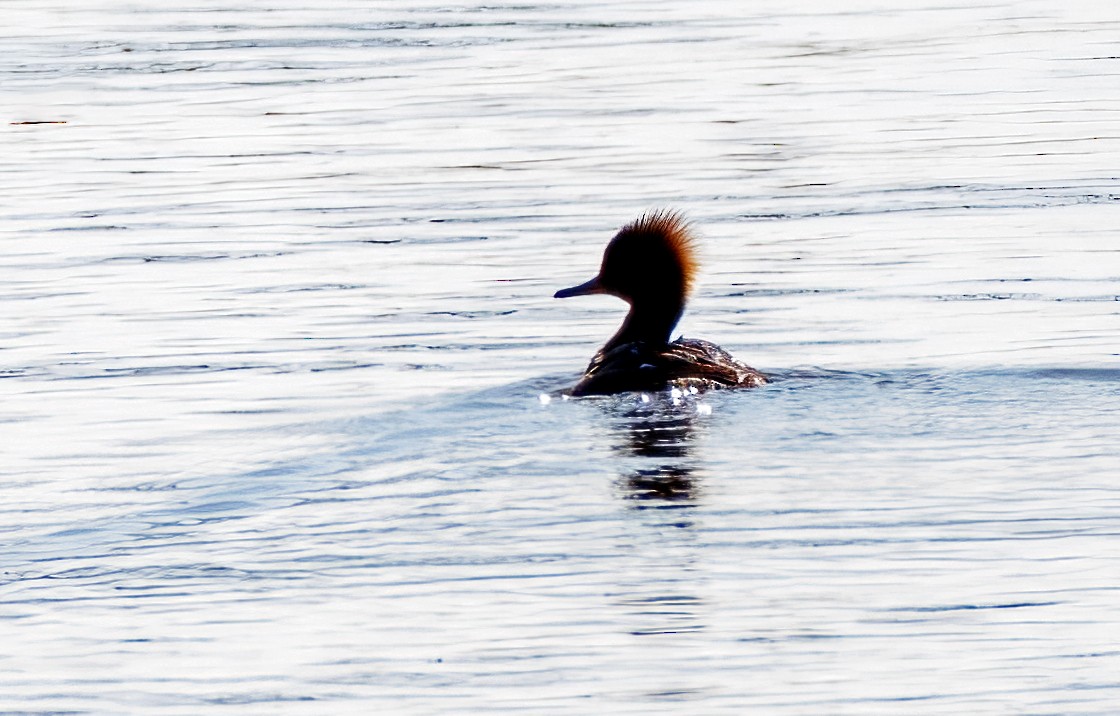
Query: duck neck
x=648, y=322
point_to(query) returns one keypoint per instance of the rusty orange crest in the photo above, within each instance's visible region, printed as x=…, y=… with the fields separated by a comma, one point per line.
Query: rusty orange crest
x=675, y=232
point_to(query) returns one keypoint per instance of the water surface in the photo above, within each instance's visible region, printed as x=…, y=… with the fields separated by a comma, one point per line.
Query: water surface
x=278, y=317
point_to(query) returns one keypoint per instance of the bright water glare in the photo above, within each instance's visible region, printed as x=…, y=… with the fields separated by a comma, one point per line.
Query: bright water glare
x=277, y=323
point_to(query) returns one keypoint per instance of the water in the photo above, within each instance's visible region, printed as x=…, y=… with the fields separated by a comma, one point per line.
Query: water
x=277, y=315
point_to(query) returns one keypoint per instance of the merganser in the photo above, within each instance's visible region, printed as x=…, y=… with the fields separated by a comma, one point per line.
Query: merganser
x=650, y=264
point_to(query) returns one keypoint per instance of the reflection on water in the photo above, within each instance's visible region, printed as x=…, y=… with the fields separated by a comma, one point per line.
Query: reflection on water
x=669, y=483
x=661, y=434
x=655, y=437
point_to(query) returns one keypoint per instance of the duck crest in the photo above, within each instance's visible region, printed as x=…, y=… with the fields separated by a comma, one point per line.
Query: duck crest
x=671, y=229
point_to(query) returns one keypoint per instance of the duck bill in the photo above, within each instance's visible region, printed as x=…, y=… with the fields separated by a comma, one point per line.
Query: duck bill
x=584, y=289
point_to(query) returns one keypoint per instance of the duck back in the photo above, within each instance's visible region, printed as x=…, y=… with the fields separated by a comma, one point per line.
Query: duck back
x=684, y=363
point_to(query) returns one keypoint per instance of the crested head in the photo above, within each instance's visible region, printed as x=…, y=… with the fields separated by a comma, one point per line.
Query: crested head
x=650, y=264
x=655, y=252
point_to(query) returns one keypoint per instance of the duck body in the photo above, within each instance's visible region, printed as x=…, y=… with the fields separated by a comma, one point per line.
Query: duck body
x=650, y=264
x=685, y=363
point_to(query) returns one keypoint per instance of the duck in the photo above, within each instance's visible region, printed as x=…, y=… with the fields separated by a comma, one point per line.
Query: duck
x=651, y=264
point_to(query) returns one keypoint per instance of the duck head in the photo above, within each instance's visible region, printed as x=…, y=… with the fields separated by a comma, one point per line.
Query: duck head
x=650, y=264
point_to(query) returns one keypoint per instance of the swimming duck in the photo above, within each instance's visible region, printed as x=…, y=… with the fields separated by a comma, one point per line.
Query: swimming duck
x=650, y=264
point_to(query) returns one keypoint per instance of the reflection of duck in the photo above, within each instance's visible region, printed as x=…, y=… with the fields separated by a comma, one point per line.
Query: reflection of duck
x=650, y=264
x=665, y=484
x=663, y=438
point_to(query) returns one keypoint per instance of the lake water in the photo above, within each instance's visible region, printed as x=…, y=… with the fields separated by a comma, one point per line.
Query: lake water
x=277, y=321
